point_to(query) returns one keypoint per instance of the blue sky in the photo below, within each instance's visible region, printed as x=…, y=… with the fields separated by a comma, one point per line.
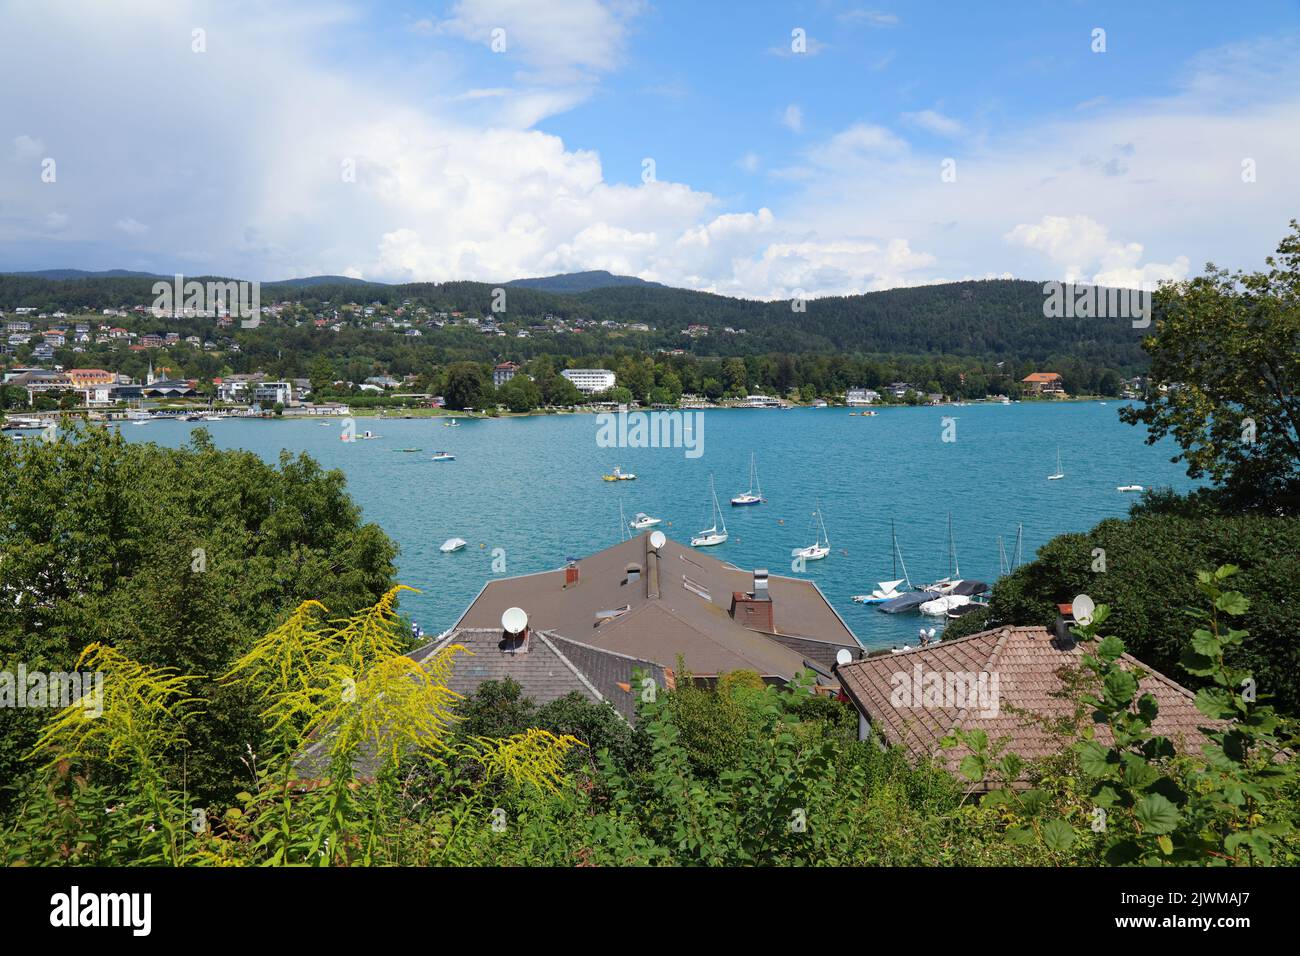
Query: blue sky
x=776, y=173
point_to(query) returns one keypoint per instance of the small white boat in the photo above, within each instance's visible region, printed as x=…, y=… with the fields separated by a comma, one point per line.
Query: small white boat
x=819, y=548
x=754, y=496
x=451, y=423
x=641, y=521
x=452, y=544
x=886, y=591
x=212, y=418
x=1128, y=488
x=619, y=475
x=443, y=456
x=141, y=421
x=368, y=435
x=711, y=536
x=1060, y=472
x=940, y=606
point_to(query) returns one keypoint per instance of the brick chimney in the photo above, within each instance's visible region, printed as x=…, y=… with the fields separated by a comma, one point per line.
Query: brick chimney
x=571, y=574
x=754, y=609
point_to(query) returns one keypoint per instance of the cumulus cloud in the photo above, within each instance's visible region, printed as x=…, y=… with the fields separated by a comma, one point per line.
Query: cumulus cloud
x=1084, y=250
x=422, y=175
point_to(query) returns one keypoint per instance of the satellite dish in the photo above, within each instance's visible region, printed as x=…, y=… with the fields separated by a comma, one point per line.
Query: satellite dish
x=514, y=620
x=843, y=656
x=657, y=540
x=1083, y=608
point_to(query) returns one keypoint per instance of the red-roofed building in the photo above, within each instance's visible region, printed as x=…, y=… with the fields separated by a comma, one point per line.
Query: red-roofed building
x=1044, y=383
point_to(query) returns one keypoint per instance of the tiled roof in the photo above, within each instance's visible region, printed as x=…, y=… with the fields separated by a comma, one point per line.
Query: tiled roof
x=551, y=668
x=1029, y=664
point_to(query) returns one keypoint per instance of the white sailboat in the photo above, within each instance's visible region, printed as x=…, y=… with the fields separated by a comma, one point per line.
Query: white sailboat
x=754, y=496
x=944, y=585
x=1060, y=472
x=819, y=548
x=888, y=590
x=711, y=536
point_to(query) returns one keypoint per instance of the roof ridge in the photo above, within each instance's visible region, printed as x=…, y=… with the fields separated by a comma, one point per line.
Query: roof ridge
x=556, y=636
x=571, y=666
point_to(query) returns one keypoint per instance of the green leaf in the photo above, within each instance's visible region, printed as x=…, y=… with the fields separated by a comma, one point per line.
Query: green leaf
x=1110, y=649
x=1094, y=759
x=1216, y=703
x=1120, y=687
x=972, y=767
x=1058, y=835
x=1232, y=602
x=1157, y=814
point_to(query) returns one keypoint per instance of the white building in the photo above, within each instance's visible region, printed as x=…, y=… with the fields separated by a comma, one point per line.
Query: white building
x=861, y=396
x=271, y=393
x=589, y=381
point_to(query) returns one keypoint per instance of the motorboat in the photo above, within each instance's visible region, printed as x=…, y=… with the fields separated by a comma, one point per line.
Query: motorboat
x=451, y=423
x=452, y=544
x=711, y=536
x=940, y=606
x=754, y=496
x=640, y=521
x=619, y=474
x=443, y=456
x=1129, y=488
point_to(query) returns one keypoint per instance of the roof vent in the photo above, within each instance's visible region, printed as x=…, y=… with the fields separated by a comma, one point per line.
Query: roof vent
x=760, y=585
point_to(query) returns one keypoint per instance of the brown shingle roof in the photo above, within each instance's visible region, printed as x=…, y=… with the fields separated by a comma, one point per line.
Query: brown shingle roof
x=1029, y=664
x=689, y=617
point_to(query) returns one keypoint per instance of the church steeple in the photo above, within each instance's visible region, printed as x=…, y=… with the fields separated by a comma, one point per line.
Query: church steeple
x=149, y=380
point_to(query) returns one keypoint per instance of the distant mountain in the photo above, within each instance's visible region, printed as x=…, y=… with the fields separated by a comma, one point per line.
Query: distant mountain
x=308, y=281
x=573, y=282
x=60, y=274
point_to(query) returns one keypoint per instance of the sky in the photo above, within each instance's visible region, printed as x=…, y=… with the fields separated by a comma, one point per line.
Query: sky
x=758, y=149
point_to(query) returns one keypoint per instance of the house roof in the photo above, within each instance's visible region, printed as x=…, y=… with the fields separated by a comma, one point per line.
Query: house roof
x=1041, y=377
x=1030, y=665
x=688, y=615
x=551, y=668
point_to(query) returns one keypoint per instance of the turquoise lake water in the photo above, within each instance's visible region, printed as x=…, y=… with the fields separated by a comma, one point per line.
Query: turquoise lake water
x=532, y=486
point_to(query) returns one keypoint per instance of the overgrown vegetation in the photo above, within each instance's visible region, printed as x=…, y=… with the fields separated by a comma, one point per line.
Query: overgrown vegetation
x=369, y=759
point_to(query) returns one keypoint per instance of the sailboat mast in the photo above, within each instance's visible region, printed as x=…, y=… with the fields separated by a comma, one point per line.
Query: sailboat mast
x=893, y=538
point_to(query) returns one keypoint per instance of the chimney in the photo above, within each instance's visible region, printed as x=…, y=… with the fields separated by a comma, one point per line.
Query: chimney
x=754, y=610
x=651, y=569
x=1063, y=639
x=760, y=585
x=571, y=574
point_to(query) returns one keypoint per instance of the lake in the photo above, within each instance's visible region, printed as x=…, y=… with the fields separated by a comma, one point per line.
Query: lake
x=532, y=487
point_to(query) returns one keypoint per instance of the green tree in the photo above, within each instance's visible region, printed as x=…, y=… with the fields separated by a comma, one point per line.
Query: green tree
x=467, y=386
x=1225, y=378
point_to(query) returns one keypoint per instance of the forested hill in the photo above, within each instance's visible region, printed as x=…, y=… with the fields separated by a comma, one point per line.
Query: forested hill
x=987, y=319
x=574, y=282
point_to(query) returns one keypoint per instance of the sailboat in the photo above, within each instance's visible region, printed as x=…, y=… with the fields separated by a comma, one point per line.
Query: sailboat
x=944, y=585
x=1060, y=472
x=887, y=590
x=711, y=536
x=754, y=496
x=819, y=548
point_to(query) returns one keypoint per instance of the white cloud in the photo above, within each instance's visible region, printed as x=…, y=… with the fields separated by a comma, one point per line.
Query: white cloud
x=1084, y=250
x=792, y=118
x=874, y=18
x=452, y=183
x=935, y=122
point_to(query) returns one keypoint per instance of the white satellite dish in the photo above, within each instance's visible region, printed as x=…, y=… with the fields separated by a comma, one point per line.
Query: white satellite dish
x=514, y=620
x=843, y=656
x=1083, y=608
x=657, y=539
